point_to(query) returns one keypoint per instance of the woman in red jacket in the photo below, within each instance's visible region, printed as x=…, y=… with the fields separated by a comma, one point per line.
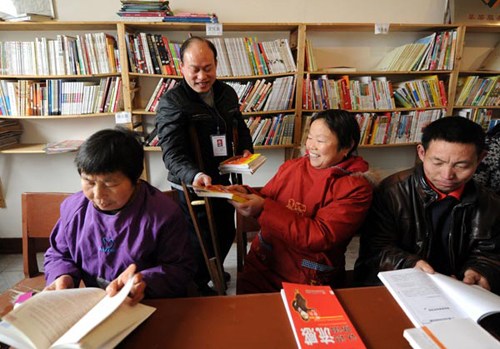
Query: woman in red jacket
x=309, y=211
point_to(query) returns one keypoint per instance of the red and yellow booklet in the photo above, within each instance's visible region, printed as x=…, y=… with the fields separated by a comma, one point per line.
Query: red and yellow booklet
x=318, y=319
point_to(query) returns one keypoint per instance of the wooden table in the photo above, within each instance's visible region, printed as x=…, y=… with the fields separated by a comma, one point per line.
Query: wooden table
x=260, y=322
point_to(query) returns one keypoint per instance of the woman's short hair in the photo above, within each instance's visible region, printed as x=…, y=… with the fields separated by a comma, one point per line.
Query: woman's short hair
x=344, y=125
x=112, y=150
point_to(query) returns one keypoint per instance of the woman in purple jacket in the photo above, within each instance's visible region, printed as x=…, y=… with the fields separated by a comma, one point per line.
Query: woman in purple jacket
x=119, y=225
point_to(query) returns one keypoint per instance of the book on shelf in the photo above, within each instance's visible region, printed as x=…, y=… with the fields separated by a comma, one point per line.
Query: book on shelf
x=65, y=146
x=338, y=69
x=73, y=318
x=218, y=191
x=317, y=318
x=28, y=17
x=429, y=299
x=242, y=164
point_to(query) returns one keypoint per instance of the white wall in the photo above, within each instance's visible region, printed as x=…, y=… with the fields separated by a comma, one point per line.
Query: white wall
x=20, y=173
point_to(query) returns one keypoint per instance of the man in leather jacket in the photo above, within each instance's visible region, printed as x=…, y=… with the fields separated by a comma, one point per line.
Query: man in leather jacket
x=435, y=217
x=198, y=122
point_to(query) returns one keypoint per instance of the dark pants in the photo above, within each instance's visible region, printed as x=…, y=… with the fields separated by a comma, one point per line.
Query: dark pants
x=224, y=224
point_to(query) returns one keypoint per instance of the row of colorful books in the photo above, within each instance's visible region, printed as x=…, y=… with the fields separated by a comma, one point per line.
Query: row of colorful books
x=153, y=54
x=425, y=92
x=163, y=86
x=347, y=93
x=263, y=95
x=243, y=56
x=395, y=127
x=276, y=130
x=487, y=118
x=10, y=132
x=478, y=91
x=60, y=97
x=90, y=53
x=433, y=52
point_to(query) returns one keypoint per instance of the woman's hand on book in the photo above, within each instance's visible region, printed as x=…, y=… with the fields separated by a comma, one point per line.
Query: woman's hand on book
x=61, y=283
x=250, y=208
x=137, y=292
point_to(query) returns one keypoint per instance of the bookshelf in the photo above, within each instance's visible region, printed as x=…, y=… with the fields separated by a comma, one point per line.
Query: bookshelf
x=479, y=40
x=351, y=45
x=34, y=82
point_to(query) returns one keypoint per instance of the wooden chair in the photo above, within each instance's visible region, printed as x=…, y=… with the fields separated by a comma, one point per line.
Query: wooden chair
x=40, y=212
x=246, y=229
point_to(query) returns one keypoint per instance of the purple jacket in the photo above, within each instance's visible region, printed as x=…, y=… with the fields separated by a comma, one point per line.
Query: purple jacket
x=96, y=247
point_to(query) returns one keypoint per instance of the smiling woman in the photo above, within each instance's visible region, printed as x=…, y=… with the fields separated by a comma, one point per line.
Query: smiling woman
x=309, y=211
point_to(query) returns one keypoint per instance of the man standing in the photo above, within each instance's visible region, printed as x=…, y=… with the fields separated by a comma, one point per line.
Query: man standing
x=434, y=216
x=199, y=125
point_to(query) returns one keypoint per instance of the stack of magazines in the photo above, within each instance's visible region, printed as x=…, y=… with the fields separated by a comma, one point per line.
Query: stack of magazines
x=144, y=10
x=192, y=17
x=242, y=164
x=10, y=132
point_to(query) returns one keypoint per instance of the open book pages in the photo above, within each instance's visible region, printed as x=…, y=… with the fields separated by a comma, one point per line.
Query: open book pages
x=453, y=334
x=431, y=298
x=72, y=318
x=218, y=191
x=240, y=164
x=317, y=318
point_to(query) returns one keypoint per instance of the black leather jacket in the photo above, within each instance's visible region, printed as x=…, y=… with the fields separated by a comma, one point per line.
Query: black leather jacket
x=181, y=108
x=398, y=231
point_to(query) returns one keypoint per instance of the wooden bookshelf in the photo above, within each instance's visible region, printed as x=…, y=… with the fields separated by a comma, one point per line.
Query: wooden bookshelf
x=334, y=44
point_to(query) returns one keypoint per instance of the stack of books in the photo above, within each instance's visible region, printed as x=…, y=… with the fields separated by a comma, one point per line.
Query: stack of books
x=144, y=10
x=10, y=132
x=65, y=146
x=241, y=164
x=192, y=17
x=218, y=191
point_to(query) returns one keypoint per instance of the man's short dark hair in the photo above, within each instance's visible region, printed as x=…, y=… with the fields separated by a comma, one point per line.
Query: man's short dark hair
x=188, y=42
x=112, y=150
x=344, y=125
x=455, y=129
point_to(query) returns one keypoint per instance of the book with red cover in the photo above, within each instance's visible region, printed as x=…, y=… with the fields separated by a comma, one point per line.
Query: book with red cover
x=318, y=319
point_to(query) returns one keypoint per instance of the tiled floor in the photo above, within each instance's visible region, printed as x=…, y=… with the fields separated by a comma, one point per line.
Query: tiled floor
x=11, y=266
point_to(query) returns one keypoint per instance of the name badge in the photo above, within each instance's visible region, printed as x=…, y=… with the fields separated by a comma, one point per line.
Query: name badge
x=219, y=145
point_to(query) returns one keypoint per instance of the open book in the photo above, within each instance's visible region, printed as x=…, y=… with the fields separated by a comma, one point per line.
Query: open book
x=441, y=307
x=317, y=318
x=241, y=164
x=73, y=318
x=218, y=191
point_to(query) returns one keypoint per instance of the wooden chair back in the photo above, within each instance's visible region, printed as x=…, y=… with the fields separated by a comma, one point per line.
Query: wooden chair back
x=246, y=229
x=40, y=212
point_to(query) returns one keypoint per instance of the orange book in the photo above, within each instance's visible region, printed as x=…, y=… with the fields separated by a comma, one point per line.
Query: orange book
x=318, y=319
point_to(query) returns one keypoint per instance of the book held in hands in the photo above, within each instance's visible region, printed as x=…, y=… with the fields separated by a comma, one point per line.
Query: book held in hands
x=73, y=318
x=242, y=164
x=317, y=318
x=218, y=191
x=446, y=312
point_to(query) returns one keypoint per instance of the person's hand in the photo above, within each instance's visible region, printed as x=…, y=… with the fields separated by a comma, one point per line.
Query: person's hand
x=424, y=266
x=246, y=153
x=250, y=208
x=61, y=283
x=472, y=277
x=137, y=291
x=237, y=188
x=202, y=180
